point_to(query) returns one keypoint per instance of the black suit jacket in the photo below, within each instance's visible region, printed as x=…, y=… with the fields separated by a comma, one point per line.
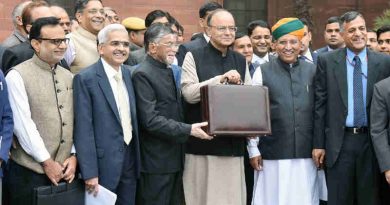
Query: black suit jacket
x=159, y=107
x=198, y=42
x=322, y=50
x=331, y=97
x=18, y=54
x=2, y=49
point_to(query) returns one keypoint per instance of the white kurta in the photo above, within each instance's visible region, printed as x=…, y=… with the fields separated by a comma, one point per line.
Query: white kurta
x=288, y=182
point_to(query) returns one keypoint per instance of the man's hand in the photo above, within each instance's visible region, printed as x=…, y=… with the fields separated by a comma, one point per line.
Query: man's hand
x=53, y=170
x=70, y=165
x=197, y=131
x=232, y=77
x=256, y=163
x=92, y=185
x=318, y=157
x=387, y=175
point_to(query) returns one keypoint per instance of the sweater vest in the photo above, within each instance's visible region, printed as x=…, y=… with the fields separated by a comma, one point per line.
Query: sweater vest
x=85, y=44
x=50, y=96
x=209, y=63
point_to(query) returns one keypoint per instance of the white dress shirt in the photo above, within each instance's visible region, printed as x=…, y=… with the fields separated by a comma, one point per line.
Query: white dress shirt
x=24, y=127
x=111, y=72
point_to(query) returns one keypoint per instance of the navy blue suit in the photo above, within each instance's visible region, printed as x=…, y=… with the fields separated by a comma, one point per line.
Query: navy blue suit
x=6, y=122
x=98, y=134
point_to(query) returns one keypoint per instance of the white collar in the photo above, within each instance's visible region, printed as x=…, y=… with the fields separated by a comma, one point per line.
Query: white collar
x=261, y=60
x=206, y=37
x=110, y=71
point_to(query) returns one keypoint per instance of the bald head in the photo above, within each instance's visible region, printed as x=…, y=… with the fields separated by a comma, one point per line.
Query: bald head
x=60, y=13
x=221, y=29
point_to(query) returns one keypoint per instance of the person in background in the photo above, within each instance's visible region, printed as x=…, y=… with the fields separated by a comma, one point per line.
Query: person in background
x=111, y=16
x=383, y=34
x=136, y=28
x=82, y=51
x=332, y=35
x=19, y=35
x=60, y=13
x=372, y=40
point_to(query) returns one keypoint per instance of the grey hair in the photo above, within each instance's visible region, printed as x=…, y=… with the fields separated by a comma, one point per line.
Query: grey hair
x=103, y=34
x=348, y=17
x=155, y=32
x=18, y=11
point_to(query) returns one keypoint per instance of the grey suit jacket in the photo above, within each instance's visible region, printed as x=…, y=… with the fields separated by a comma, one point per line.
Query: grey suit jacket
x=136, y=57
x=14, y=39
x=331, y=97
x=380, y=112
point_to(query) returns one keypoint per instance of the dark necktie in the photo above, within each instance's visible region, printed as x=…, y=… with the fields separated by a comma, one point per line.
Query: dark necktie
x=358, y=103
x=251, y=69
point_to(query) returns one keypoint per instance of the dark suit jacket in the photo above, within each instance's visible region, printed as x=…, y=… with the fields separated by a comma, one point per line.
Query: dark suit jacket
x=322, y=50
x=6, y=122
x=98, y=134
x=162, y=133
x=136, y=57
x=198, y=42
x=331, y=97
x=2, y=49
x=314, y=55
x=18, y=54
x=380, y=119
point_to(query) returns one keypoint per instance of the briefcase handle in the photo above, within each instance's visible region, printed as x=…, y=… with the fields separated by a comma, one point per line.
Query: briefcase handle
x=64, y=186
x=225, y=82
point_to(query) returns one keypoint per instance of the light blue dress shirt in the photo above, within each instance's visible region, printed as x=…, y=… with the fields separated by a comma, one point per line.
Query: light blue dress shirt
x=350, y=67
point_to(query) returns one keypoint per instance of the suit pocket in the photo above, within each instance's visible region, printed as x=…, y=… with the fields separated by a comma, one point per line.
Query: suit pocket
x=100, y=152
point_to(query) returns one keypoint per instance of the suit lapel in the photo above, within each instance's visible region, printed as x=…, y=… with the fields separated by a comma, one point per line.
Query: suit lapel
x=107, y=90
x=372, y=75
x=126, y=73
x=340, y=71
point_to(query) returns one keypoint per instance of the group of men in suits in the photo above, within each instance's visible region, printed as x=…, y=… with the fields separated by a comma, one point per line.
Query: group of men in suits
x=132, y=134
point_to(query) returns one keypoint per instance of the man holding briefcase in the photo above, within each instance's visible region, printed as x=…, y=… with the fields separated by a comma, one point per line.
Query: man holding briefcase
x=40, y=93
x=217, y=164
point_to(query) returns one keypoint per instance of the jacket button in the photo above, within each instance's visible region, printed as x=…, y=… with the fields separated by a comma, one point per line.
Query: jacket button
x=61, y=106
x=62, y=141
x=56, y=81
x=63, y=124
x=58, y=90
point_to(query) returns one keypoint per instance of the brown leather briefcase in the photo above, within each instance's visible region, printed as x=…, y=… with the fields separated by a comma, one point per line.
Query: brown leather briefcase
x=236, y=110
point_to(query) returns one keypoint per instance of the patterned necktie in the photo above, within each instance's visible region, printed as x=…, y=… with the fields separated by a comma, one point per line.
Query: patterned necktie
x=124, y=110
x=358, y=103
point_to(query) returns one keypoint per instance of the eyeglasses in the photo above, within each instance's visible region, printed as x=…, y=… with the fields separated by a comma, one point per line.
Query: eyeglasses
x=95, y=11
x=125, y=44
x=171, y=45
x=224, y=28
x=55, y=41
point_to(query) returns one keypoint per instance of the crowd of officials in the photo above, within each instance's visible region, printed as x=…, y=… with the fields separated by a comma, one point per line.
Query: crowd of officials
x=116, y=102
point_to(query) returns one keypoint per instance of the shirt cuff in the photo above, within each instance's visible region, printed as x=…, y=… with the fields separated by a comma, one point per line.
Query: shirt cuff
x=252, y=147
x=73, y=150
x=41, y=155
